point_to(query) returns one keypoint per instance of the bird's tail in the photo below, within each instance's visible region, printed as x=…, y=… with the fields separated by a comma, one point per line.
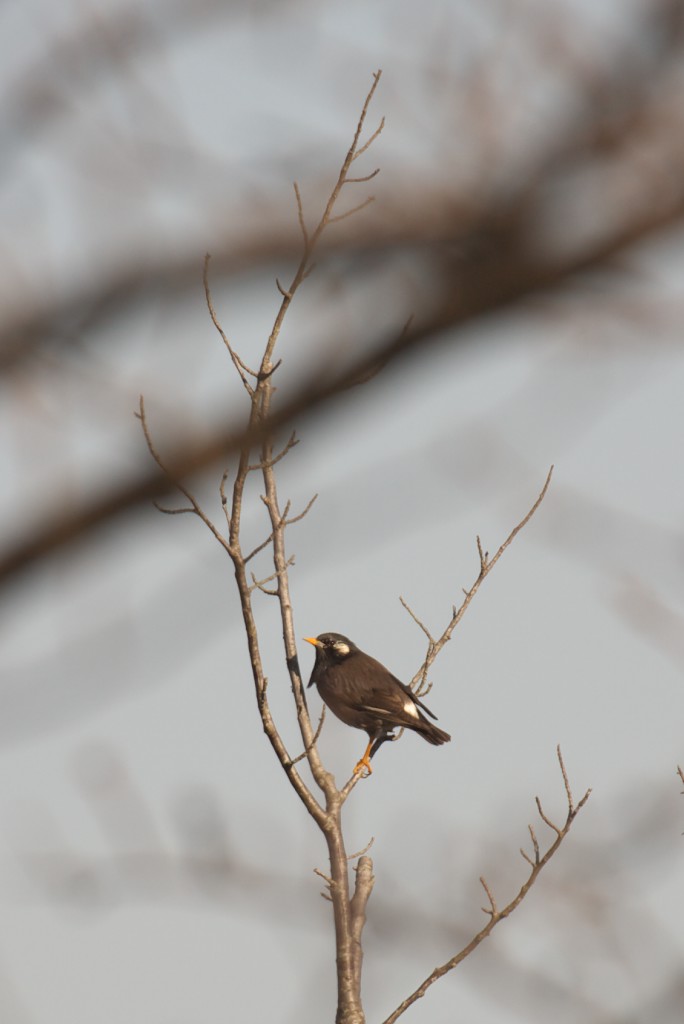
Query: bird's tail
x=432, y=734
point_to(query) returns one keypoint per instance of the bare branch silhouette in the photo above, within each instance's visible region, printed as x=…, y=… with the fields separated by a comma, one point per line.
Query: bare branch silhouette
x=537, y=863
x=349, y=903
x=486, y=566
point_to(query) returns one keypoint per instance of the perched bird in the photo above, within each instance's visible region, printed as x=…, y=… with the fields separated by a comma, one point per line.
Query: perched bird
x=363, y=693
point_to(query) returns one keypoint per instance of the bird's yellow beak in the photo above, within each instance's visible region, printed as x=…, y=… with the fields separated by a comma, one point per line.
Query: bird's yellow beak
x=312, y=640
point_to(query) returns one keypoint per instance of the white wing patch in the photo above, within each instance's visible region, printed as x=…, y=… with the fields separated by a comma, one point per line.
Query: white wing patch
x=410, y=708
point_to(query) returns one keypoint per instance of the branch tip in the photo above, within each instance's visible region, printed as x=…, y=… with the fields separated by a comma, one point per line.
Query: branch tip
x=491, y=910
x=566, y=783
x=361, y=853
x=544, y=818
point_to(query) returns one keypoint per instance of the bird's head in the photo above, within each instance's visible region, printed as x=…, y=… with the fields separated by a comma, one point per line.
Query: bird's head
x=332, y=647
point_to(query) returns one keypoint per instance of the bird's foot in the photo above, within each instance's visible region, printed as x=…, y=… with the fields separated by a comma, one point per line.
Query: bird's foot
x=363, y=767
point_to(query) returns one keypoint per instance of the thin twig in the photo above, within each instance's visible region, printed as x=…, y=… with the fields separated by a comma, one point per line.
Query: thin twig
x=310, y=239
x=421, y=688
x=535, y=843
x=527, y=857
x=328, y=882
x=277, y=575
x=568, y=791
x=258, y=548
x=320, y=874
x=173, y=511
x=314, y=741
x=238, y=363
x=491, y=910
x=547, y=821
x=275, y=459
x=360, y=181
x=362, y=149
x=302, y=226
x=417, y=621
x=486, y=566
x=353, y=856
x=298, y=518
x=350, y=213
x=196, y=507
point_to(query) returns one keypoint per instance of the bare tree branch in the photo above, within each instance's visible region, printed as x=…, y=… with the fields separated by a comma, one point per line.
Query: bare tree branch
x=194, y=505
x=349, y=914
x=349, y=908
x=495, y=915
x=486, y=566
x=242, y=369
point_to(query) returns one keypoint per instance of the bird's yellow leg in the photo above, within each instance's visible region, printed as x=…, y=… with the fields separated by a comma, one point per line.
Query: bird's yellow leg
x=364, y=763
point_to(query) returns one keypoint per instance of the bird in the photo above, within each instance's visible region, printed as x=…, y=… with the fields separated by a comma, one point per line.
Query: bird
x=361, y=692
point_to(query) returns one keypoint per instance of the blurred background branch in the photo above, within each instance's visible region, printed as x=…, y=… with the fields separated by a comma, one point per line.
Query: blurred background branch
x=498, y=218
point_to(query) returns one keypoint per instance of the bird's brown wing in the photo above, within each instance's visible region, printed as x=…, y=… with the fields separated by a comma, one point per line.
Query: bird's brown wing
x=416, y=700
x=390, y=712
x=402, y=686
x=376, y=691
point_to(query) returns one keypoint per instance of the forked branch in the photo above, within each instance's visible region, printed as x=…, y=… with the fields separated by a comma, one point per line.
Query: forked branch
x=486, y=565
x=242, y=369
x=194, y=507
x=310, y=239
x=537, y=863
x=349, y=907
